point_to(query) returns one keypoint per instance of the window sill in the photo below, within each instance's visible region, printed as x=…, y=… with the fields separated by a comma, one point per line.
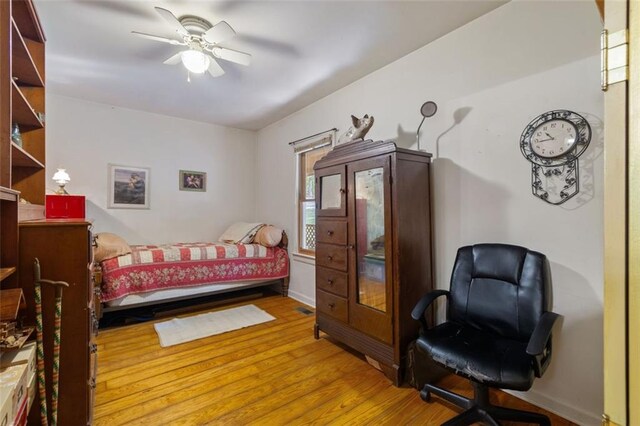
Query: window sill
x=304, y=258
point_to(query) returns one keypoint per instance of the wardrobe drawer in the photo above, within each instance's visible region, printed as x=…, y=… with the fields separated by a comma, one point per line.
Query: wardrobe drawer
x=331, y=231
x=332, y=305
x=332, y=281
x=331, y=256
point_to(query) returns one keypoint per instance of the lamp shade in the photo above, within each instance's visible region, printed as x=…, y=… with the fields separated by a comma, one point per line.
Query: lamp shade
x=61, y=176
x=195, y=61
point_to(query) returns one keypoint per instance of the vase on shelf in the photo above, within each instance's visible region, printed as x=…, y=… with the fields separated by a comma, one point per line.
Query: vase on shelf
x=16, y=137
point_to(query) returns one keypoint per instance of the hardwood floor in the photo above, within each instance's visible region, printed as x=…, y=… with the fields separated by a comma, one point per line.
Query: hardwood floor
x=273, y=373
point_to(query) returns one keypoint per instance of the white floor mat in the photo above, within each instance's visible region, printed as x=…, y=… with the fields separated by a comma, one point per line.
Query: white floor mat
x=181, y=330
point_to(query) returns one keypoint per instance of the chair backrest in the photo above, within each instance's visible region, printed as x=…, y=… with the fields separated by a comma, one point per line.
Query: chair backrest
x=500, y=288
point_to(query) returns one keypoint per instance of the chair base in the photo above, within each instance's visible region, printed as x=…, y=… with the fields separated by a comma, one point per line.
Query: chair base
x=479, y=409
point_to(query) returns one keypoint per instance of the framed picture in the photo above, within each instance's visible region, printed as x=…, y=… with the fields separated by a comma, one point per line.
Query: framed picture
x=192, y=181
x=128, y=187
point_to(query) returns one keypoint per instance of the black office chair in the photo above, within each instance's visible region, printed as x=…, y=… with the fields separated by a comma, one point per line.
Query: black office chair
x=498, y=329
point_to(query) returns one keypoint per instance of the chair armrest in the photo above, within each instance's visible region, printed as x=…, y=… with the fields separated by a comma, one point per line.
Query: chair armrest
x=422, y=305
x=541, y=334
x=540, y=345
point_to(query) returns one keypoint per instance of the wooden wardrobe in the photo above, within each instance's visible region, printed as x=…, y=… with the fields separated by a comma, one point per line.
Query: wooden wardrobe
x=373, y=248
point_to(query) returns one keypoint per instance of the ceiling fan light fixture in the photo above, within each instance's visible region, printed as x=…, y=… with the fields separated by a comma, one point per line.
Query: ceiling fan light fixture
x=195, y=61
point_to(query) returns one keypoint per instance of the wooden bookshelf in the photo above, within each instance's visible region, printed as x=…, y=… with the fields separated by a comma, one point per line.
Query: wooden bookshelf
x=22, y=77
x=22, y=164
x=22, y=102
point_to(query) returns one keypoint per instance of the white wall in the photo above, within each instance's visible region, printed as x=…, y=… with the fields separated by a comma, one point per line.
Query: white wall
x=489, y=78
x=84, y=137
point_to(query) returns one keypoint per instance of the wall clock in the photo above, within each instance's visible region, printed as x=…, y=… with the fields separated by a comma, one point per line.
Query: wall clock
x=552, y=142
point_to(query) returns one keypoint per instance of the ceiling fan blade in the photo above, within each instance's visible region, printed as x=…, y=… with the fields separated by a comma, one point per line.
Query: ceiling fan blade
x=158, y=38
x=231, y=55
x=172, y=20
x=215, y=69
x=219, y=32
x=174, y=60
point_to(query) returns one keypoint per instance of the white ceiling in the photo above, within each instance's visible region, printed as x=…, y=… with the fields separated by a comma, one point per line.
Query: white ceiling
x=302, y=51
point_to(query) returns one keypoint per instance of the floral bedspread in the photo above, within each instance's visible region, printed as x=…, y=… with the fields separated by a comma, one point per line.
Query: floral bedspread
x=149, y=268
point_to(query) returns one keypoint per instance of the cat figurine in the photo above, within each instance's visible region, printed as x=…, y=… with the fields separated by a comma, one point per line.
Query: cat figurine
x=359, y=129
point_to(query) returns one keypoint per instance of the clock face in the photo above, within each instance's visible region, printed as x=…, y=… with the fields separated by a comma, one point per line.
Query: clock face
x=554, y=138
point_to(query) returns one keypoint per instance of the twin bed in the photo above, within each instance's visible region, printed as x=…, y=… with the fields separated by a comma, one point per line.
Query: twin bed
x=151, y=274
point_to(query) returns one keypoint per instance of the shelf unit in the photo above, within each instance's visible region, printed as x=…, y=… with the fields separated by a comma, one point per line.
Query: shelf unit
x=26, y=80
x=22, y=102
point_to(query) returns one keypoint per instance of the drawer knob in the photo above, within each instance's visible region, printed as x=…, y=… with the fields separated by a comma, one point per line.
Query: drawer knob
x=343, y=191
x=93, y=348
x=332, y=306
x=330, y=281
x=329, y=233
x=330, y=258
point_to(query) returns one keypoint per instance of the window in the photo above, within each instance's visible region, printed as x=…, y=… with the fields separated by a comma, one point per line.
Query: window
x=307, y=195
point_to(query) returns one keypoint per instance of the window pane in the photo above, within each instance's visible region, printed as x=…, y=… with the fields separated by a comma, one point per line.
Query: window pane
x=309, y=160
x=310, y=187
x=308, y=223
x=307, y=195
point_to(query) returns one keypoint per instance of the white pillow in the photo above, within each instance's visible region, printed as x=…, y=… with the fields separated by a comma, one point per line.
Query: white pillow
x=240, y=233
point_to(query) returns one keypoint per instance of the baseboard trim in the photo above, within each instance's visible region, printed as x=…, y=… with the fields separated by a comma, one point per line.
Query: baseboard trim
x=302, y=298
x=558, y=407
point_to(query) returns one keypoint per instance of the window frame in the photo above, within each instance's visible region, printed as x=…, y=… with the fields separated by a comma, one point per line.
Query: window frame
x=301, y=196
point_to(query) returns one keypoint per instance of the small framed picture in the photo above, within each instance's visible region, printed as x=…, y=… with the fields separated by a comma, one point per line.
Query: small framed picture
x=128, y=187
x=192, y=181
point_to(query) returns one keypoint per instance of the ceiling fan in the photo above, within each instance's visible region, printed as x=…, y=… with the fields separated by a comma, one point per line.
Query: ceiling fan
x=203, y=43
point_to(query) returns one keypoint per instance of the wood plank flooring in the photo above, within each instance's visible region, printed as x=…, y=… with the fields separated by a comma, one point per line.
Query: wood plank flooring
x=273, y=374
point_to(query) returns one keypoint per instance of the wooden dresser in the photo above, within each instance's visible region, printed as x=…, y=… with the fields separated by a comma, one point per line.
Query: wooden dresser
x=64, y=250
x=373, y=248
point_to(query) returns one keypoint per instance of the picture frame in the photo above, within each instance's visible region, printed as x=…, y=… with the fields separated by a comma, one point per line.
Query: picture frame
x=129, y=187
x=190, y=180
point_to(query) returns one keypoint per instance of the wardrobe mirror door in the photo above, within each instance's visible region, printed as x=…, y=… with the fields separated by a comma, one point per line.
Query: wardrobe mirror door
x=370, y=238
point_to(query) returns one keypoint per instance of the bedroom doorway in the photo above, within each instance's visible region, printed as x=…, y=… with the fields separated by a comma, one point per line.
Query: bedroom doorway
x=622, y=226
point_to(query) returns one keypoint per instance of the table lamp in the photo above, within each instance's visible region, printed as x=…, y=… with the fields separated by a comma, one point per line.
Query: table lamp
x=61, y=177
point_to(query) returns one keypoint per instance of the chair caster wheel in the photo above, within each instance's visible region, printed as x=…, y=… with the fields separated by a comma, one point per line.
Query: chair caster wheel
x=425, y=395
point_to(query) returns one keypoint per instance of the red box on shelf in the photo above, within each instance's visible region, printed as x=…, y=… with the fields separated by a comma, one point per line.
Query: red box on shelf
x=65, y=207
